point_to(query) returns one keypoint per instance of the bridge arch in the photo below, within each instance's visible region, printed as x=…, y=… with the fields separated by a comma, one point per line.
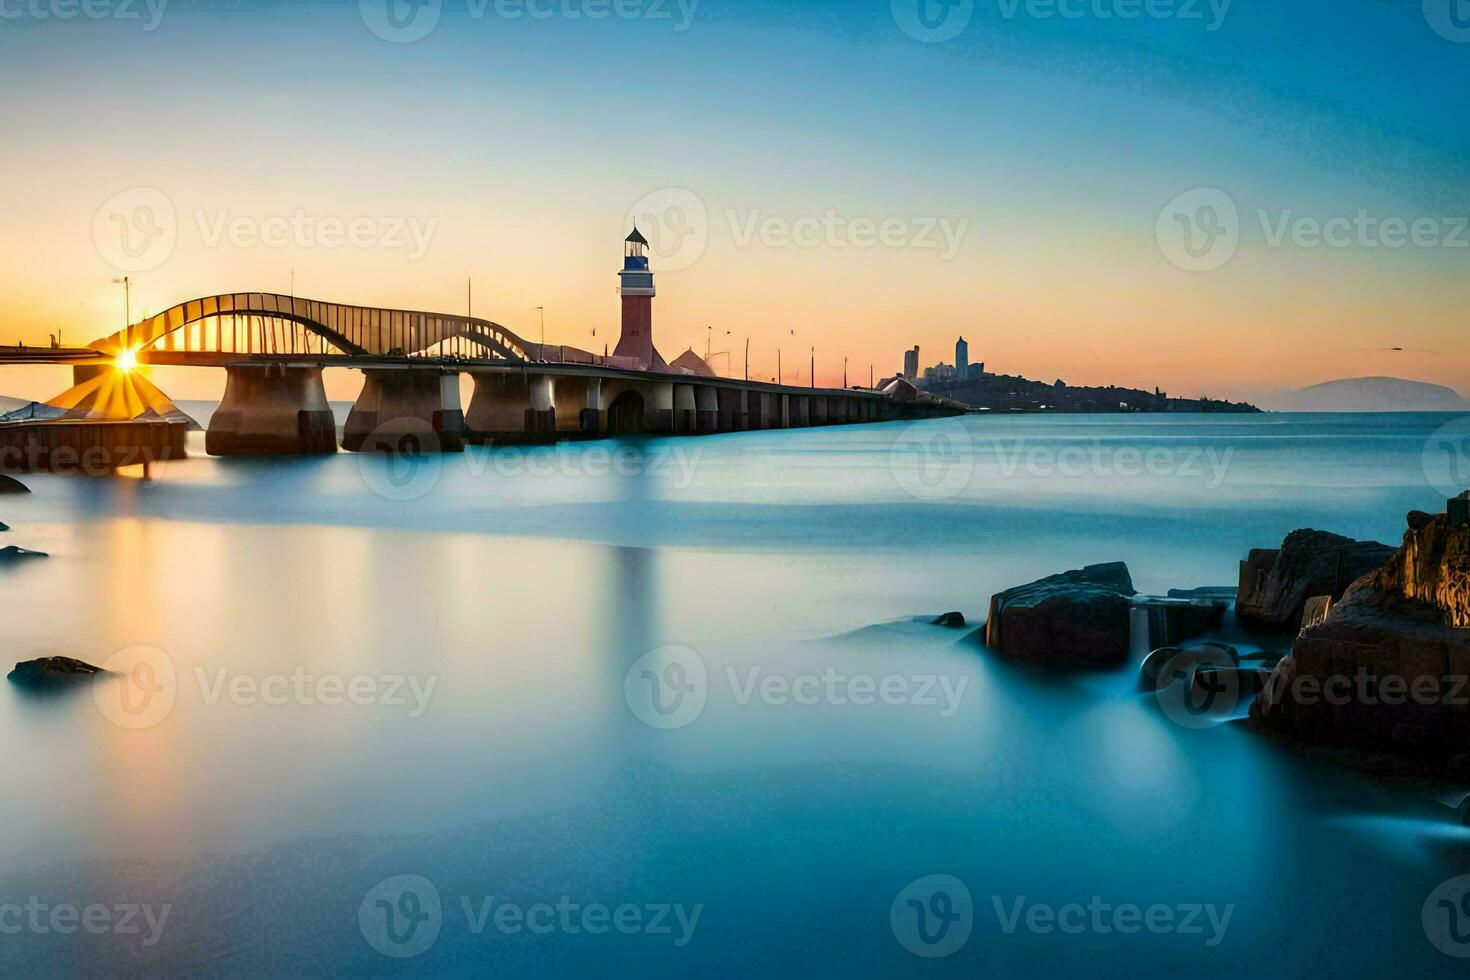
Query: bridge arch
x=238, y=322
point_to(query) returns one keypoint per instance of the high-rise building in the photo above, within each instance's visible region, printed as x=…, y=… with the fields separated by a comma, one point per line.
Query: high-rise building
x=961, y=359
x=911, y=363
x=636, y=287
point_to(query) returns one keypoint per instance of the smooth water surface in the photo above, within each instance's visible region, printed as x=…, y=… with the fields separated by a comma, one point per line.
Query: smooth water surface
x=502, y=618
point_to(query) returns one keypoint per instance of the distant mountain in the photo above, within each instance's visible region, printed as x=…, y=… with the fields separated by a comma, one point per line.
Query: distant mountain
x=8, y=404
x=1371, y=395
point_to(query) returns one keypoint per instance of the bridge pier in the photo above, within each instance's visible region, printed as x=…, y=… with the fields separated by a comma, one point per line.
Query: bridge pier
x=685, y=413
x=801, y=407
x=541, y=416
x=272, y=410
x=707, y=408
x=590, y=421
x=395, y=406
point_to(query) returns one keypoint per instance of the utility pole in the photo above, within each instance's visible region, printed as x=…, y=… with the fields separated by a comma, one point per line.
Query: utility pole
x=844, y=372
x=747, y=358
x=469, y=297
x=814, y=367
x=778, y=365
x=127, y=285
x=542, y=311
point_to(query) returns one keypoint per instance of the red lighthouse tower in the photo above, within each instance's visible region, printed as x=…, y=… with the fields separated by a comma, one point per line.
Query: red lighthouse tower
x=636, y=287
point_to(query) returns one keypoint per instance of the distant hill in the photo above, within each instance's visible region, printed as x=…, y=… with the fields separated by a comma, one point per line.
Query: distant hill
x=1371, y=395
x=8, y=404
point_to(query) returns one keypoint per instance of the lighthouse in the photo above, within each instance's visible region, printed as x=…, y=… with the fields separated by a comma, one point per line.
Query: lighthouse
x=635, y=283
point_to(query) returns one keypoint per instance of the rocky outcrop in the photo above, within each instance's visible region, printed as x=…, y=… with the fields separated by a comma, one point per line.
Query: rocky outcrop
x=52, y=672
x=9, y=484
x=1389, y=668
x=11, y=553
x=1276, y=584
x=1077, y=618
x=951, y=620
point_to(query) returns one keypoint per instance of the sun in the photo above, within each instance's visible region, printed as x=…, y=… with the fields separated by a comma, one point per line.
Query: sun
x=126, y=360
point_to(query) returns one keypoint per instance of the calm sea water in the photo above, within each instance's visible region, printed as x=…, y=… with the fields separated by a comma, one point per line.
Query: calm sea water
x=678, y=682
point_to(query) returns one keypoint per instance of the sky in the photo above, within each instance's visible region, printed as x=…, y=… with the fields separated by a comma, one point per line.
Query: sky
x=1212, y=197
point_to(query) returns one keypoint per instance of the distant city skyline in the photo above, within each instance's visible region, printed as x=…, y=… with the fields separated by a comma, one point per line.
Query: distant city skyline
x=1014, y=194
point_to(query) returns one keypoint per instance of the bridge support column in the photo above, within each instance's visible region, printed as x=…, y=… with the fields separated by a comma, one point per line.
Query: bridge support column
x=591, y=419
x=399, y=408
x=661, y=407
x=755, y=409
x=838, y=408
x=819, y=410
x=783, y=411
x=731, y=409
x=272, y=409
x=685, y=413
x=707, y=407
x=541, y=416
x=801, y=411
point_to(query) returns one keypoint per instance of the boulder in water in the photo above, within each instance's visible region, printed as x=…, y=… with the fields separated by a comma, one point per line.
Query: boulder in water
x=9, y=484
x=11, y=553
x=1389, y=668
x=952, y=620
x=52, y=672
x=1276, y=584
x=1077, y=618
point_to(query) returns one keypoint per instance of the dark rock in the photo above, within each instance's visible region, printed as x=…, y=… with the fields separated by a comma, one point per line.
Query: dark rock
x=1169, y=664
x=47, y=672
x=1464, y=811
x=1418, y=520
x=1389, y=668
x=4, y=526
x=1228, y=683
x=1077, y=618
x=1183, y=614
x=9, y=484
x=10, y=553
x=1275, y=585
x=953, y=620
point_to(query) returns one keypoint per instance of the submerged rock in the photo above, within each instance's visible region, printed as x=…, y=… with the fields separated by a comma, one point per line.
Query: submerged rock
x=10, y=553
x=1077, y=618
x=9, y=484
x=50, y=672
x=1389, y=667
x=4, y=526
x=952, y=620
x=1183, y=614
x=1168, y=664
x=1275, y=584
